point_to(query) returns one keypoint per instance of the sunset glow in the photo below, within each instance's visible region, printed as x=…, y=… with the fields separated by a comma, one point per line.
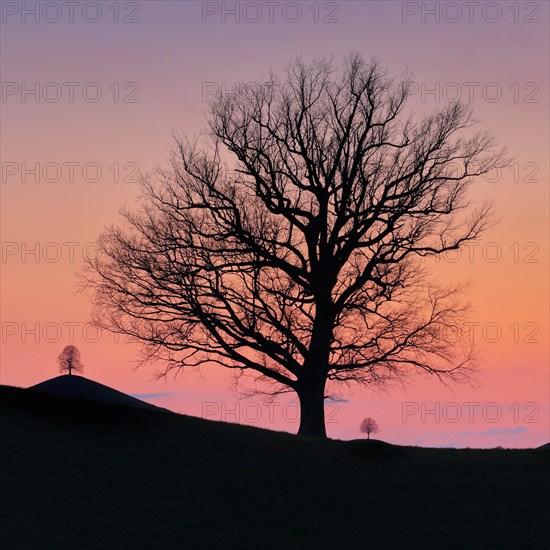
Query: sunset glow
x=94, y=98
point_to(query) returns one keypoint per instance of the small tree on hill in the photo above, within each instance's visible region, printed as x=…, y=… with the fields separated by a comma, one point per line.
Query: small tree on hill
x=69, y=360
x=369, y=426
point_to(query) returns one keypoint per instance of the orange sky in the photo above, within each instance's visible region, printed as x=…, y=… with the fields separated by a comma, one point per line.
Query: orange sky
x=152, y=75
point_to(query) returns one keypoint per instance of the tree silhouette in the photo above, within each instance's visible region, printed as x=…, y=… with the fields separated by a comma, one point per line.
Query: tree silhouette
x=302, y=267
x=369, y=426
x=69, y=360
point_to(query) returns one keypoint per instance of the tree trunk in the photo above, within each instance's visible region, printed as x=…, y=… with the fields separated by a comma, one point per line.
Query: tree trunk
x=312, y=407
x=311, y=386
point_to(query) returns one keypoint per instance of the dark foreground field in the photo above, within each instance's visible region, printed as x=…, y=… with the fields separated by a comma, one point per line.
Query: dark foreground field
x=84, y=475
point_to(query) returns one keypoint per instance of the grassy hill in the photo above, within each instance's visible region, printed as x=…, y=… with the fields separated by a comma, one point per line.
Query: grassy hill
x=83, y=388
x=79, y=474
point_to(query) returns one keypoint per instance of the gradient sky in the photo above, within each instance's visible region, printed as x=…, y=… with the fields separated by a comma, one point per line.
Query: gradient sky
x=154, y=69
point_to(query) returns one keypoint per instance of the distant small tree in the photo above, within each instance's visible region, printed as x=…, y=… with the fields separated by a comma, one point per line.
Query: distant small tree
x=69, y=360
x=369, y=426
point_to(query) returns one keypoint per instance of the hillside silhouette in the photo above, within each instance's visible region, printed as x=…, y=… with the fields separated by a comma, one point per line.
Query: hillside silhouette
x=82, y=474
x=83, y=388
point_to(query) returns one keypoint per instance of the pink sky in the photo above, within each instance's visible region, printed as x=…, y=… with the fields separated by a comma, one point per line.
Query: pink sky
x=153, y=75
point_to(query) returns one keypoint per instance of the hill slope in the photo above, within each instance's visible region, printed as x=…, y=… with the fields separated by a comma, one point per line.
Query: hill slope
x=83, y=388
x=80, y=474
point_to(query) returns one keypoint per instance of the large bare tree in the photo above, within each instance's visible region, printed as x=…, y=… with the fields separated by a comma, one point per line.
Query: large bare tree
x=302, y=265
